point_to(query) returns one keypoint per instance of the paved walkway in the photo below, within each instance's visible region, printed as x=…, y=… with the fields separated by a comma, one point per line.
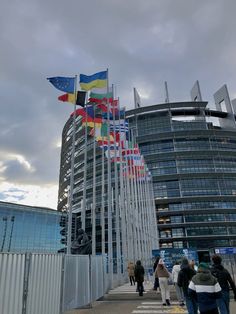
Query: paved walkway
x=125, y=300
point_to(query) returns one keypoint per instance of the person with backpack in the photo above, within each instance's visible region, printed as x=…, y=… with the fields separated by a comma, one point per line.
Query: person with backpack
x=206, y=289
x=225, y=281
x=185, y=275
x=163, y=276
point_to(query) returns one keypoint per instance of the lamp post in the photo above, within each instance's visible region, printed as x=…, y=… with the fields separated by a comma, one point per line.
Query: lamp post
x=4, y=233
x=12, y=226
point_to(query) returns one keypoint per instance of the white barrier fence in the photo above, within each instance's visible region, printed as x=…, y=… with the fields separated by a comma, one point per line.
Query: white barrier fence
x=50, y=283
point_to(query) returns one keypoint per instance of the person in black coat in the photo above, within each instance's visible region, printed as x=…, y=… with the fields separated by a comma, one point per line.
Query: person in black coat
x=139, y=277
x=225, y=280
x=185, y=275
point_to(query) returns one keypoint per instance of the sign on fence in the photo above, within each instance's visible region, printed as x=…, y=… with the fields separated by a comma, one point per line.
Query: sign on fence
x=170, y=256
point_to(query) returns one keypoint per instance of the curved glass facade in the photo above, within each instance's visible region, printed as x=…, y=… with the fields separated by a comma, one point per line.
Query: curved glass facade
x=111, y=201
x=191, y=153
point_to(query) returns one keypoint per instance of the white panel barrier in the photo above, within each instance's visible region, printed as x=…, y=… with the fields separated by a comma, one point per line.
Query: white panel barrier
x=97, y=277
x=76, y=282
x=11, y=283
x=50, y=283
x=44, y=284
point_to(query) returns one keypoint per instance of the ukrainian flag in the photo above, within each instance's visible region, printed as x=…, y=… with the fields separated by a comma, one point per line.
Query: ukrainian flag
x=97, y=80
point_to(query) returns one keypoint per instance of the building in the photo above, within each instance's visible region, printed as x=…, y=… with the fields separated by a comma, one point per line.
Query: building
x=30, y=229
x=110, y=202
x=190, y=150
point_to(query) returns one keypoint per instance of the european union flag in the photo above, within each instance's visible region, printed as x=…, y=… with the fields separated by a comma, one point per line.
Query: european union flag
x=65, y=84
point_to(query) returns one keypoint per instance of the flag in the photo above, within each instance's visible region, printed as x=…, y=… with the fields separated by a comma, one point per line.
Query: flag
x=100, y=101
x=137, y=100
x=97, y=80
x=101, y=133
x=102, y=90
x=67, y=97
x=119, y=126
x=80, y=101
x=114, y=105
x=101, y=96
x=65, y=84
x=115, y=114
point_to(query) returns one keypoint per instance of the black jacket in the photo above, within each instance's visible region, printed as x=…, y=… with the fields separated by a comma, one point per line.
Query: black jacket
x=139, y=273
x=224, y=278
x=184, y=277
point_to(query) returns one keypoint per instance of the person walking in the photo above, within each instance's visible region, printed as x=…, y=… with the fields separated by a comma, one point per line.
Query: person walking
x=163, y=276
x=156, y=282
x=193, y=265
x=225, y=280
x=185, y=275
x=130, y=269
x=205, y=287
x=179, y=290
x=139, y=277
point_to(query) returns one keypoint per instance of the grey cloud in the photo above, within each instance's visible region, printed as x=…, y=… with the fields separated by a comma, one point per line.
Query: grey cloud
x=143, y=43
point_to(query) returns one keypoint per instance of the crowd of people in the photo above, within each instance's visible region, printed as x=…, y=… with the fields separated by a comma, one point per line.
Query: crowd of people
x=204, y=289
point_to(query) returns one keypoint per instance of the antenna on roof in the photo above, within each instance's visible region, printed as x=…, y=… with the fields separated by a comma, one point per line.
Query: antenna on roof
x=166, y=93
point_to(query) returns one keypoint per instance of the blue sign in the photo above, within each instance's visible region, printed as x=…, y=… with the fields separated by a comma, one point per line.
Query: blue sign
x=226, y=250
x=170, y=256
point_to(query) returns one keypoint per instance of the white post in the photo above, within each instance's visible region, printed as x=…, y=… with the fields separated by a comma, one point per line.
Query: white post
x=70, y=197
x=109, y=212
x=103, y=205
x=94, y=191
x=83, y=213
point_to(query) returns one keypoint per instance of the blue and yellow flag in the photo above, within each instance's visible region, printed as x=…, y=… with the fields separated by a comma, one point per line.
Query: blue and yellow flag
x=97, y=80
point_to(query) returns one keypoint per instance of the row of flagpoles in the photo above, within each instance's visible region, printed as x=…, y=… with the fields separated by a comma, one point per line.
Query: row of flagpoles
x=127, y=198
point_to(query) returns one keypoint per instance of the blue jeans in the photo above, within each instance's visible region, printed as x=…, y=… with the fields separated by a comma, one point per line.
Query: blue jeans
x=223, y=302
x=191, y=305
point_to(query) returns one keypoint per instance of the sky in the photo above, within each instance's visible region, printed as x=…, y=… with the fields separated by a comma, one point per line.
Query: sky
x=142, y=43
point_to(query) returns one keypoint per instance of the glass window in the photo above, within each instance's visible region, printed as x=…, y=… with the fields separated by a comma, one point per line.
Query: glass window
x=177, y=232
x=176, y=219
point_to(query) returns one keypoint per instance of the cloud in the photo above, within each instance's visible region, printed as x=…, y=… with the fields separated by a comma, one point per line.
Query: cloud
x=142, y=43
x=42, y=196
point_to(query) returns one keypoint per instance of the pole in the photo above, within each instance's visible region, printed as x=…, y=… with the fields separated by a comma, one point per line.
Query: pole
x=70, y=198
x=109, y=212
x=12, y=227
x=103, y=205
x=83, y=215
x=117, y=216
x=94, y=191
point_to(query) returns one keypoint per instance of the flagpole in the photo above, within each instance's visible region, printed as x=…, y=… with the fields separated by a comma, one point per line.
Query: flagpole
x=122, y=203
x=109, y=213
x=103, y=205
x=83, y=214
x=94, y=191
x=70, y=198
x=117, y=216
x=132, y=200
x=129, y=208
x=137, y=233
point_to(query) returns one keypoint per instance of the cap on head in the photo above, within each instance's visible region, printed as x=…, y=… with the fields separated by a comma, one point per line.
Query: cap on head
x=203, y=266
